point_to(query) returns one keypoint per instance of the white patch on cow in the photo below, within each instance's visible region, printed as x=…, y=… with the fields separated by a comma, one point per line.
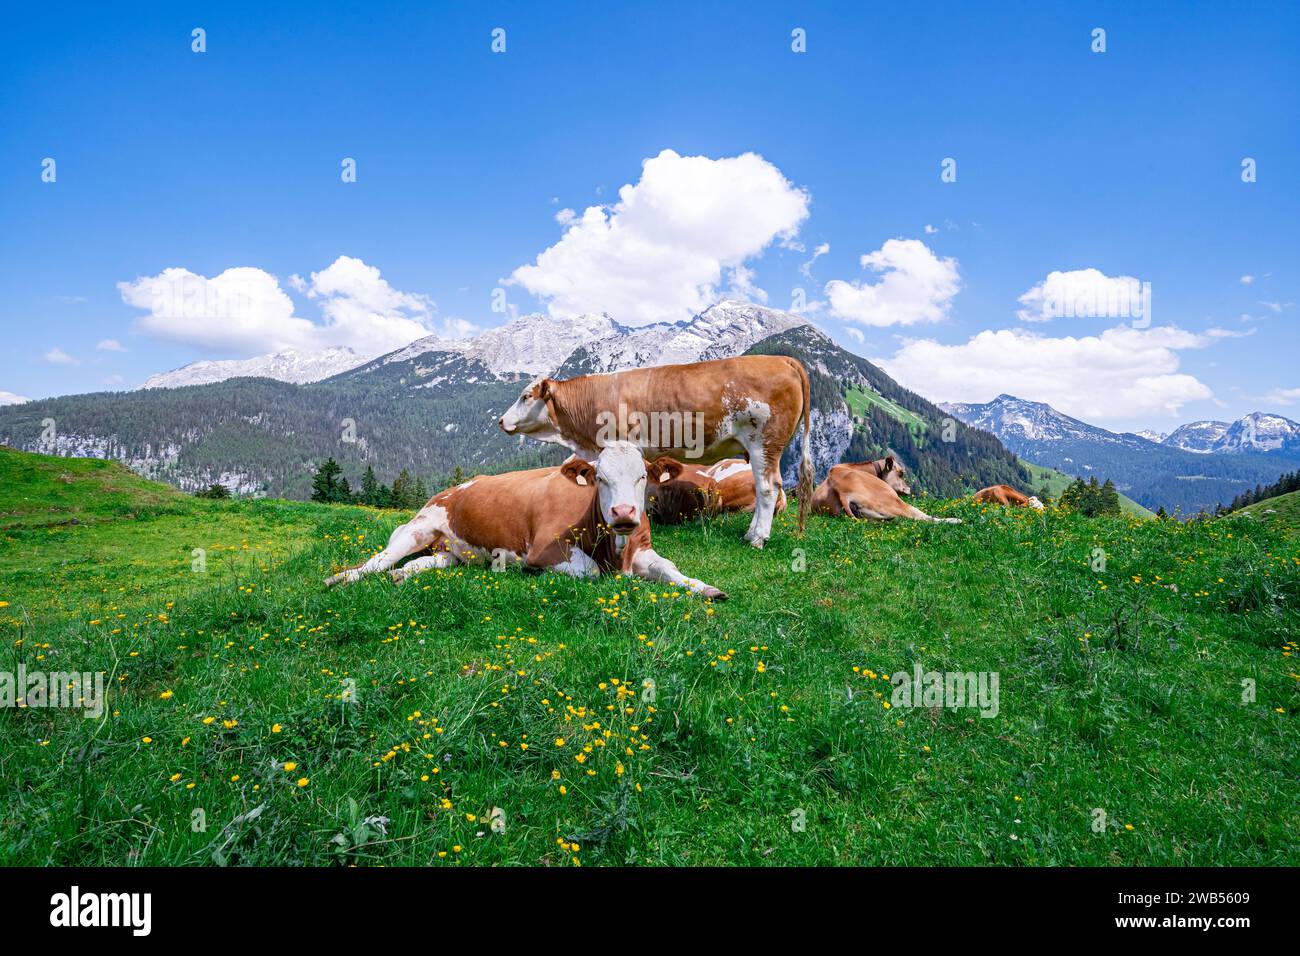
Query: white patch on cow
x=620, y=482
x=423, y=563
x=726, y=468
x=579, y=565
x=649, y=564
x=531, y=416
x=465, y=484
x=1035, y=503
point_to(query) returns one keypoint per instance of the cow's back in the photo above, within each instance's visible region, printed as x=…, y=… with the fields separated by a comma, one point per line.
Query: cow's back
x=712, y=393
x=507, y=511
x=845, y=482
x=1002, y=495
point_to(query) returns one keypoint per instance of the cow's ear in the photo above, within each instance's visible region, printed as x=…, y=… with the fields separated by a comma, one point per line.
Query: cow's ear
x=664, y=469
x=890, y=464
x=544, y=389
x=579, y=472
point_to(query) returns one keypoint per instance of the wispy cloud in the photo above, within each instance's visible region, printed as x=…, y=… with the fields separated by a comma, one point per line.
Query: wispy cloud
x=56, y=356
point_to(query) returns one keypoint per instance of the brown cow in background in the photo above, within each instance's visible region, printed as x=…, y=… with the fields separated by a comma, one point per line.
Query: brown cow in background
x=1006, y=495
x=692, y=490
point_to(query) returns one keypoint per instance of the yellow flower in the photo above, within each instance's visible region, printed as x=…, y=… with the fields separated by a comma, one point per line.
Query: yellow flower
x=303, y=781
x=275, y=728
x=290, y=767
x=166, y=695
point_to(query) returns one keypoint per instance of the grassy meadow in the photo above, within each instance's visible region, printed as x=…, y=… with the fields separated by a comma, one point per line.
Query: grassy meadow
x=472, y=717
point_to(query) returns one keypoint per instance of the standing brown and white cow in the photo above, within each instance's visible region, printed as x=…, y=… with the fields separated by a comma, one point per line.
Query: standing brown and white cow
x=701, y=412
x=580, y=518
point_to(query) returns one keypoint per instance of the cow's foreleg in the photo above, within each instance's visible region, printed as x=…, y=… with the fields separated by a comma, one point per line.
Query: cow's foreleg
x=920, y=515
x=413, y=567
x=570, y=560
x=416, y=535
x=653, y=566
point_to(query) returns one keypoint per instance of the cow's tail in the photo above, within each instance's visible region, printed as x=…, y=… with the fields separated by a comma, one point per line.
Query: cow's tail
x=805, y=460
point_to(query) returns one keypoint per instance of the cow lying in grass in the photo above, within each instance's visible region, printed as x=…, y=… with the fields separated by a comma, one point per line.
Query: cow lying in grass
x=674, y=497
x=1006, y=495
x=868, y=489
x=581, y=518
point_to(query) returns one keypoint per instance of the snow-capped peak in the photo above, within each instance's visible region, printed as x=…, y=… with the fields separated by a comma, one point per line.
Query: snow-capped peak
x=537, y=343
x=289, y=365
x=534, y=344
x=1008, y=416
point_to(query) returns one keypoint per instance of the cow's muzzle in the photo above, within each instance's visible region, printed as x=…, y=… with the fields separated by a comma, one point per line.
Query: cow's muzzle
x=623, y=518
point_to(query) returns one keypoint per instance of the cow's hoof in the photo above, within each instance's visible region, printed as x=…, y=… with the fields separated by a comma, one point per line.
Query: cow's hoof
x=397, y=576
x=757, y=542
x=714, y=594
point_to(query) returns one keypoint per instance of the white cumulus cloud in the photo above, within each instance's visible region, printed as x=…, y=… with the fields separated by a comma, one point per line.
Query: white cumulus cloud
x=660, y=251
x=12, y=398
x=243, y=311
x=1084, y=293
x=1123, y=373
x=914, y=286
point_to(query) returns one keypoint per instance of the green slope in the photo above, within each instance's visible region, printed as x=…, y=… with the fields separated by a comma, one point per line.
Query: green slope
x=38, y=490
x=1057, y=481
x=1285, y=508
x=643, y=725
x=860, y=400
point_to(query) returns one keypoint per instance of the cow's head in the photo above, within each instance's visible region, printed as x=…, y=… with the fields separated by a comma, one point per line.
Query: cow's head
x=1034, y=503
x=892, y=472
x=619, y=476
x=672, y=499
x=531, y=413
x=663, y=469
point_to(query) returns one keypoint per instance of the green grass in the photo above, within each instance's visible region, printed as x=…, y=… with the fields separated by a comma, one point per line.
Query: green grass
x=415, y=703
x=1285, y=511
x=1058, y=481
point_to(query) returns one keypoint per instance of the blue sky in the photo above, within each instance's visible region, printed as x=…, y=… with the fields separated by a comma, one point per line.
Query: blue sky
x=1126, y=162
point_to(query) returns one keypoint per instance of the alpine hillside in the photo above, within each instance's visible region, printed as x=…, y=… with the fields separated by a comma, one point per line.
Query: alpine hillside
x=1152, y=473
x=432, y=407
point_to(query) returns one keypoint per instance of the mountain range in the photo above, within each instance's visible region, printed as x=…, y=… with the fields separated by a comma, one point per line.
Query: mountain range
x=432, y=406
x=290, y=365
x=1198, y=466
